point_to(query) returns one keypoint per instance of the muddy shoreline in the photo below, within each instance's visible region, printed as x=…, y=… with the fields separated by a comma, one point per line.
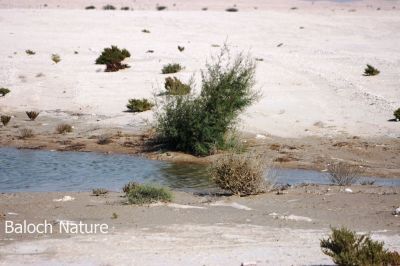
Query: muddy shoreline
x=377, y=155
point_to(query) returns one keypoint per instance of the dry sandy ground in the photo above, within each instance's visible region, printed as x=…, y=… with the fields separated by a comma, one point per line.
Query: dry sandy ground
x=311, y=85
x=269, y=229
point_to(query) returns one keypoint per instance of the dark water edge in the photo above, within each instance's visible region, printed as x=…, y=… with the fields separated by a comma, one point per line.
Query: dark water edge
x=48, y=171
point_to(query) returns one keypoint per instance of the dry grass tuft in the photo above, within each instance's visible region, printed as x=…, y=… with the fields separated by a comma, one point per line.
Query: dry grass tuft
x=344, y=174
x=25, y=133
x=241, y=174
x=63, y=128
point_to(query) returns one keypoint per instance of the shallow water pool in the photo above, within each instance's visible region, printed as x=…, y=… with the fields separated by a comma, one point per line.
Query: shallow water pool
x=37, y=170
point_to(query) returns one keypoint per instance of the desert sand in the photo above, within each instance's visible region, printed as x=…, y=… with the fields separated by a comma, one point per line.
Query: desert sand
x=272, y=229
x=316, y=106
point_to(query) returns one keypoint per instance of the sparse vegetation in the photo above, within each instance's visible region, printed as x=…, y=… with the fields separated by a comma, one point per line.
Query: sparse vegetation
x=63, y=128
x=199, y=124
x=5, y=119
x=103, y=139
x=146, y=194
x=171, y=68
x=30, y=52
x=174, y=86
x=396, y=114
x=109, y=7
x=241, y=174
x=130, y=185
x=32, y=115
x=55, y=58
x=231, y=9
x=25, y=133
x=344, y=174
x=347, y=248
x=112, y=58
x=90, y=7
x=4, y=91
x=139, y=105
x=161, y=8
x=99, y=191
x=371, y=71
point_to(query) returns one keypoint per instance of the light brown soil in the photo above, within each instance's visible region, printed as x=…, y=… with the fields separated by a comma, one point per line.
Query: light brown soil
x=367, y=208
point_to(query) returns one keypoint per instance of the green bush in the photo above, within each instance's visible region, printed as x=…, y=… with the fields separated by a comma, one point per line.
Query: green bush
x=161, y=8
x=146, y=194
x=139, y=105
x=32, y=115
x=397, y=114
x=347, y=248
x=112, y=58
x=125, y=8
x=5, y=119
x=130, y=185
x=371, y=71
x=171, y=68
x=174, y=86
x=55, y=58
x=199, y=124
x=109, y=7
x=241, y=174
x=4, y=91
x=29, y=52
x=231, y=9
x=90, y=7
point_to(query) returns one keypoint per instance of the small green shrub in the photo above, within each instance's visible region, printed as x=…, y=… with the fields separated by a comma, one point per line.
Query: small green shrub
x=112, y=58
x=371, y=71
x=32, y=115
x=130, y=185
x=139, y=105
x=181, y=48
x=145, y=31
x=63, y=128
x=347, y=248
x=171, y=68
x=125, y=8
x=114, y=215
x=99, y=191
x=397, y=114
x=174, y=86
x=25, y=133
x=90, y=7
x=30, y=52
x=241, y=174
x=160, y=8
x=146, y=194
x=199, y=124
x=231, y=9
x=55, y=58
x=344, y=174
x=4, y=91
x=5, y=119
x=109, y=7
